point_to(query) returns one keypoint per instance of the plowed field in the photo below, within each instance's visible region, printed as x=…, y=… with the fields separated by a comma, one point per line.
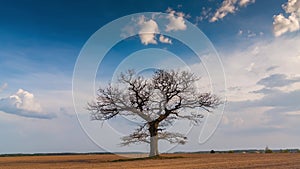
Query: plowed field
x=188, y=161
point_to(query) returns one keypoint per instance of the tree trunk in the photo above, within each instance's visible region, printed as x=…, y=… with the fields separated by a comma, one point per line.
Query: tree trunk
x=153, y=146
x=153, y=139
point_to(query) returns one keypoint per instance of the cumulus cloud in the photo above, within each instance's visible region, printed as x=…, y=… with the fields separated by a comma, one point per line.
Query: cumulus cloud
x=163, y=39
x=175, y=22
x=229, y=6
x=23, y=104
x=148, y=30
x=282, y=24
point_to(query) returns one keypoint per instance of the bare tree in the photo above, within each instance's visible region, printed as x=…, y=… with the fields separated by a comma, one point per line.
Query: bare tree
x=157, y=101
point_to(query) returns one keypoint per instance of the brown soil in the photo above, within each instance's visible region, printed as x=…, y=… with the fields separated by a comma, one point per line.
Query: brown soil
x=188, y=161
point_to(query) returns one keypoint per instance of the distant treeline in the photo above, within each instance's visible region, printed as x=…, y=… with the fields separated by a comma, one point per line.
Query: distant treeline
x=182, y=152
x=245, y=151
x=50, y=154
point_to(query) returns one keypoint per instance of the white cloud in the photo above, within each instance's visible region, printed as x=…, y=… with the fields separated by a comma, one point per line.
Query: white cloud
x=245, y=2
x=175, y=22
x=229, y=6
x=282, y=24
x=23, y=103
x=147, y=30
x=163, y=39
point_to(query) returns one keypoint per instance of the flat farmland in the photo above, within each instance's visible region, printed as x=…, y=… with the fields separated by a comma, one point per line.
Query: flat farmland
x=188, y=161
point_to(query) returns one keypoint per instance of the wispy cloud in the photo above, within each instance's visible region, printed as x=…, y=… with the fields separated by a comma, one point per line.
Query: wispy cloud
x=278, y=102
x=23, y=103
x=277, y=80
x=249, y=34
x=205, y=14
x=282, y=24
x=229, y=6
x=3, y=87
x=263, y=84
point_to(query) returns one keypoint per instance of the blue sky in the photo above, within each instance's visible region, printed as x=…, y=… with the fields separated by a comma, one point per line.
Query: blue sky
x=40, y=41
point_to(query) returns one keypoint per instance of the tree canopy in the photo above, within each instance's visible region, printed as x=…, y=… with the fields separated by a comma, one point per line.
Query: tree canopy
x=157, y=101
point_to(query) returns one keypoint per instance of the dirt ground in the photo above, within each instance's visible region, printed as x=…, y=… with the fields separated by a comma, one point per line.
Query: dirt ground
x=189, y=161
